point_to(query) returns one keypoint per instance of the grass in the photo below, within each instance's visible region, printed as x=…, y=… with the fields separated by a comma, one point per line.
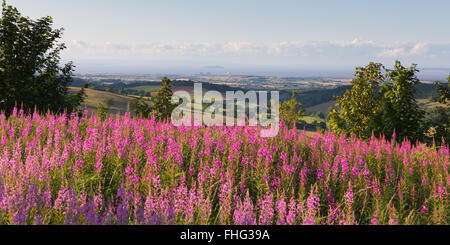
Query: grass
x=322, y=107
x=428, y=103
x=311, y=119
x=117, y=103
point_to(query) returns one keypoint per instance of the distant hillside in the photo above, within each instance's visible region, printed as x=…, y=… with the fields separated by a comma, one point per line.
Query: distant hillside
x=321, y=107
x=117, y=103
x=146, y=88
x=320, y=100
x=314, y=100
x=315, y=97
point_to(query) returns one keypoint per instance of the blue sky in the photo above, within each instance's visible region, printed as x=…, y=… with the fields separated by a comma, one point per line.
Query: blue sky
x=296, y=34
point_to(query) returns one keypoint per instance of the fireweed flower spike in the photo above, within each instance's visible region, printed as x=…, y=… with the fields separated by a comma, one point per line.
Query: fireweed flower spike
x=65, y=169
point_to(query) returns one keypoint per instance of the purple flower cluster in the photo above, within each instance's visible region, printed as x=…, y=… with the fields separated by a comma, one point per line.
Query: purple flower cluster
x=70, y=169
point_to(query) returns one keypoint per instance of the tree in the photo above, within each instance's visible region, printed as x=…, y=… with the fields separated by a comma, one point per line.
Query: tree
x=443, y=92
x=359, y=104
x=30, y=75
x=291, y=111
x=398, y=109
x=142, y=107
x=161, y=105
x=367, y=108
x=320, y=115
x=162, y=102
x=439, y=120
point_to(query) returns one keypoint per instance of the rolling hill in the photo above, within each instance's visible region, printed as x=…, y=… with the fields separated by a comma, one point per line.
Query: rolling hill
x=117, y=103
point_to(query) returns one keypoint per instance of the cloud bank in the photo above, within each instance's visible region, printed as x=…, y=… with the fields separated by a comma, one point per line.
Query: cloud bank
x=317, y=52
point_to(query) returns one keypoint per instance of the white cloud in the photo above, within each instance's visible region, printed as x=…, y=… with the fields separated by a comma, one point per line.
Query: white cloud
x=407, y=50
x=351, y=50
x=396, y=52
x=419, y=48
x=358, y=42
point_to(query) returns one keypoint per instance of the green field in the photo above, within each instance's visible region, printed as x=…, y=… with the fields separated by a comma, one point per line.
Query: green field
x=322, y=107
x=311, y=119
x=117, y=103
x=428, y=103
